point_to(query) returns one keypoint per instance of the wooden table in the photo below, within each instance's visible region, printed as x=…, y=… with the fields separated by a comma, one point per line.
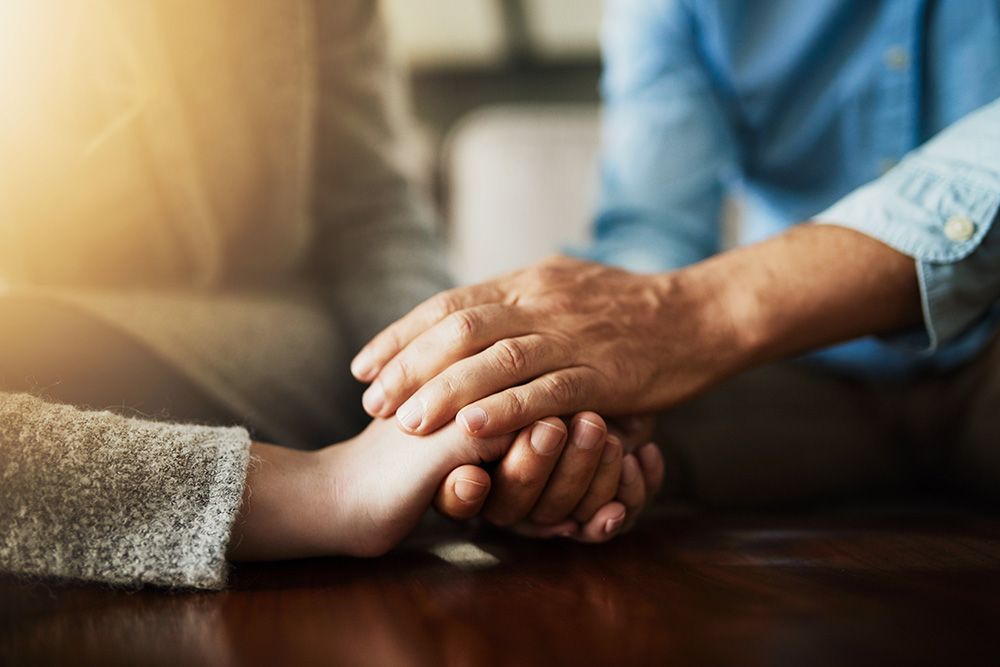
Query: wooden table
x=683, y=589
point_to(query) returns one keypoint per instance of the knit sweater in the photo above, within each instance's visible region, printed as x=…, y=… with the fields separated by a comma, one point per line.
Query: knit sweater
x=97, y=496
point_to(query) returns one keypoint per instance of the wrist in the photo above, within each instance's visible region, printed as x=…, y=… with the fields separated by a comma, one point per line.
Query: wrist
x=721, y=315
x=811, y=286
x=284, y=497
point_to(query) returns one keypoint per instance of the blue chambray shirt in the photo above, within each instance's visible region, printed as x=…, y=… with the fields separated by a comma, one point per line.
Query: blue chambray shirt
x=878, y=115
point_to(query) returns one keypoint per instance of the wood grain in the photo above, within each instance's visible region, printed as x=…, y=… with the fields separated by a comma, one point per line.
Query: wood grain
x=683, y=589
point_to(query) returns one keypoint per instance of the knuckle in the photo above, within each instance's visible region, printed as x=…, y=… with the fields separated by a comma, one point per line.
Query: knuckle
x=448, y=300
x=511, y=357
x=516, y=404
x=524, y=477
x=445, y=387
x=559, y=388
x=389, y=340
x=398, y=375
x=443, y=304
x=464, y=326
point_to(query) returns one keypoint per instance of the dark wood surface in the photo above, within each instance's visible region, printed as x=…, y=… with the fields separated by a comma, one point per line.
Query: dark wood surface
x=683, y=589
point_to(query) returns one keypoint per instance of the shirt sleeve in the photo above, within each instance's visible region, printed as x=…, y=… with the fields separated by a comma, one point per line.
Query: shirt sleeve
x=100, y=497
x=666, y=148
x=939, y=206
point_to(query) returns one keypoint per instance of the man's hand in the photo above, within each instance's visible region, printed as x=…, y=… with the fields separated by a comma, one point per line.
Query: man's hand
x=578, y=480
x=563, y=336
x=568, y=335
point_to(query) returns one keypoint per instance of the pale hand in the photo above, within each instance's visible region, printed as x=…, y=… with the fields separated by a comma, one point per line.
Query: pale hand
x=363, y=496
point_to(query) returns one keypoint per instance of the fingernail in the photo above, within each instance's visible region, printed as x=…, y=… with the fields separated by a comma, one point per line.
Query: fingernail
x=587, y=435
x=374, y=398
x=545, y=438
x=474, y=419
x=612, y=449
x=469, y=490
x=630, y=470
x=567, y=532
x=411, y=414
x=612, y=525
x=361, y=366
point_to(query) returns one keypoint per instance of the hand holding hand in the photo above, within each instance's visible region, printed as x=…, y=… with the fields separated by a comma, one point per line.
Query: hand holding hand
x=584, y=482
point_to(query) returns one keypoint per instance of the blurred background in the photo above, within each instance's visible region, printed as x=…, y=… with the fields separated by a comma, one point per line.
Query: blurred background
x=463, y=55
x=506, y=92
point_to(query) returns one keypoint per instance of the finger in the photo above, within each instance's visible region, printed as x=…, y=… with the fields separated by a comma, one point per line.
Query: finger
x=575, y=470
x=387, y=344
x=506, y=363
x=536, y=531
x=607, y=522
x=463, y=492
x=651, y=461
x=605, y=483
x=632, y=488
x=521, y=476
x=457, y=336
x=560, y=392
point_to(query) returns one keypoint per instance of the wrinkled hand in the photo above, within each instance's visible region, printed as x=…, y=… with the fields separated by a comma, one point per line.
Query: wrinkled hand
x=560, y=337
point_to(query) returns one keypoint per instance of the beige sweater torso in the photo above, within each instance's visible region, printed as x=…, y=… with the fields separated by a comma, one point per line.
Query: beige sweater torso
x=194, y=149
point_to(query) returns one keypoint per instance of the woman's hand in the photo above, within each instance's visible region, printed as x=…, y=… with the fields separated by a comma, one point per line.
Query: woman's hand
x=362, y=496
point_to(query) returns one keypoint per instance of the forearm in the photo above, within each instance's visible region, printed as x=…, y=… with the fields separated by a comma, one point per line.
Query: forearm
x=812, y=286
x=284, y=503
x=358, y=497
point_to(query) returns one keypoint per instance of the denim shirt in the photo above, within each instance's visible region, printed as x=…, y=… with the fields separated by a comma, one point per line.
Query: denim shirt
x=878, y=115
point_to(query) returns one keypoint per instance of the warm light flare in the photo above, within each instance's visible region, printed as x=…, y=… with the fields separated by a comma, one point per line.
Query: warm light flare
x=71, y=90
x=28, y=32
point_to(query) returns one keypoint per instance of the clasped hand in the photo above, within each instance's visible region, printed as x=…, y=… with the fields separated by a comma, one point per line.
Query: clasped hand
x=554, y=339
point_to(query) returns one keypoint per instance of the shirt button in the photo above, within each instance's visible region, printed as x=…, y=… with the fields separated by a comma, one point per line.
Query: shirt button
x=897, y=58
x=959, y=228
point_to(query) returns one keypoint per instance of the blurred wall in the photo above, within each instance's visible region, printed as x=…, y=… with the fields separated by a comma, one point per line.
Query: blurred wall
x=476, y=33
x=466, y=54
x=507, y=93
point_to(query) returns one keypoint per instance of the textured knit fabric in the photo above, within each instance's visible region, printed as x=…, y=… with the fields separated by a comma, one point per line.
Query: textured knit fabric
x=93, y=495
x=231, y=184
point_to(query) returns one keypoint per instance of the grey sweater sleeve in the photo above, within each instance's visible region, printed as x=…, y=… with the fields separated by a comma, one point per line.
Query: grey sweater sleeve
x=377, y=247
x=100, y=497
